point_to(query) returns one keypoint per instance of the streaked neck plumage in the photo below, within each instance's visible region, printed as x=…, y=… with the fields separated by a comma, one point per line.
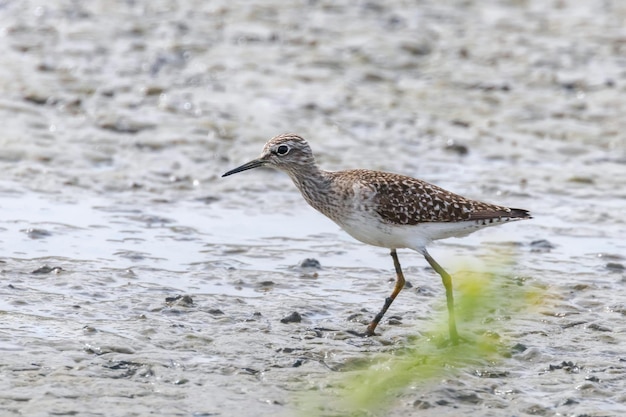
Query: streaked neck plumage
x=315, y=185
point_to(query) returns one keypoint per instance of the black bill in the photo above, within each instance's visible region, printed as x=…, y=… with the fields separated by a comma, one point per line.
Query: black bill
x=252, y=164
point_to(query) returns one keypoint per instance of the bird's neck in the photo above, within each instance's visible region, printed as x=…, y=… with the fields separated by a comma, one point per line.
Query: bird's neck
x=315, y=185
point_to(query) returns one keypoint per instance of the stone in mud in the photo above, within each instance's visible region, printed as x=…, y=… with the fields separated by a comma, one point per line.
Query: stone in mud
x=567, y=366
x=541, y=245
x=47, y=269
x=294, y=317
x=310, y=263
x=298, y=363
x=35, y=233
x=518, y=347
x=457, y=148
x=615, y=267
x=181, y=300
x=422, y=405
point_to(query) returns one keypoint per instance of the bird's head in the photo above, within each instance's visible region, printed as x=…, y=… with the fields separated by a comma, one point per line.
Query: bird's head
x=287, y=152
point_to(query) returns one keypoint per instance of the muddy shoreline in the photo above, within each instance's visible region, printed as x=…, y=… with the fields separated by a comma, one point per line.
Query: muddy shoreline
x=137, y=281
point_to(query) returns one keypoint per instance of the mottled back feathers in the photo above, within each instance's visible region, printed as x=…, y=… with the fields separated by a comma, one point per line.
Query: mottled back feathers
x=403, y=200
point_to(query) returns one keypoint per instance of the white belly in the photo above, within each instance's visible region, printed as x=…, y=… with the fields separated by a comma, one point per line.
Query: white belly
x=416, y=237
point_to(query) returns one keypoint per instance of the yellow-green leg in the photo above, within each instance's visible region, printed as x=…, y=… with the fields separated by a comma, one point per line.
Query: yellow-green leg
x=396, y=290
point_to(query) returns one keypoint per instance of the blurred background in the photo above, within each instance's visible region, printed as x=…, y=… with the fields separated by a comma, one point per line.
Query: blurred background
x=118, y=118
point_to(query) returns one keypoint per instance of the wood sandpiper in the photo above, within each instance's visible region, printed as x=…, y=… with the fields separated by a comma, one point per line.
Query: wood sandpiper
x=382, y=209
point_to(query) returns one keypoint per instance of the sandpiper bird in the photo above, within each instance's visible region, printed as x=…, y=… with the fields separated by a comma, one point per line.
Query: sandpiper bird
x=382, y=209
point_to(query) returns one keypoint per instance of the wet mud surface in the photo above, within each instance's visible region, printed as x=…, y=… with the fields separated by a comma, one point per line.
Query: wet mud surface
x=136, y=281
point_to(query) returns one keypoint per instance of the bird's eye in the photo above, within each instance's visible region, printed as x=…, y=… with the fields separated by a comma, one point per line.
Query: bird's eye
x=282, y=150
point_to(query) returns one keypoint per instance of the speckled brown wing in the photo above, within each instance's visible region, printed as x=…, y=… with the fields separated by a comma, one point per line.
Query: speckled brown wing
x=405, y=200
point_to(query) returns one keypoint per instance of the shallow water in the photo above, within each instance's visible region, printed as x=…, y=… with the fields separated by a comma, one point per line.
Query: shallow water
x=119, y=118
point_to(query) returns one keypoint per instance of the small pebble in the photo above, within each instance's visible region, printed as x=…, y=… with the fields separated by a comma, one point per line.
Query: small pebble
x=294, y=317
x=519, y=347
x=298, y=363
x=615, y=267
x=181, y=300
x=567, y=366
x=47, y=269
x=37, y=233
x=541, y=245
x=310, y=263
x=598, y=327
x=422, y=405
x=456, y=148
